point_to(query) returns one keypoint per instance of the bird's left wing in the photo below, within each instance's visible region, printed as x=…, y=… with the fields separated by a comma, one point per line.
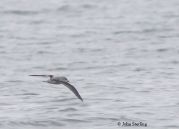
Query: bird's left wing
x=73, y=89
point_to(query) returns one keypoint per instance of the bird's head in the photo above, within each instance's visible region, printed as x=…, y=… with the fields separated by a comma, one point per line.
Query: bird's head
x=51, y=76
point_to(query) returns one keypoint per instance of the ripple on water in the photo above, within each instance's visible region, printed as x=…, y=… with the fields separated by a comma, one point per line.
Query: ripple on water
x=74, y=120
x=28, y=94
x=36, y=123
x=20, y=12
x=163, y=49
x=68, y=110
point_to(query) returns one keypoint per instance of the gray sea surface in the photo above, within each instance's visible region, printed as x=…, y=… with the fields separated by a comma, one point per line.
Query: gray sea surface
x=121, y=55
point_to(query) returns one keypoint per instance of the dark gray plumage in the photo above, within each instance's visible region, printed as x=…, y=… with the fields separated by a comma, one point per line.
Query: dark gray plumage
x=61, y=80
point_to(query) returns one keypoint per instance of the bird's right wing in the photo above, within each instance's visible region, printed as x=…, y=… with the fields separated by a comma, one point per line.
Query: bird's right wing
x=42, y=75
x=73, y=89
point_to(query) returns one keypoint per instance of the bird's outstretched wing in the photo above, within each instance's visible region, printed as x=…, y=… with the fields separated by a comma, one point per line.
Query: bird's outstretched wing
x=42, y=75
x=73, y=89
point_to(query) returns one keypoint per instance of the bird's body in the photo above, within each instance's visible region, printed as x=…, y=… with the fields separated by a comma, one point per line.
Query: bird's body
x=57, y=80
x=61, y=80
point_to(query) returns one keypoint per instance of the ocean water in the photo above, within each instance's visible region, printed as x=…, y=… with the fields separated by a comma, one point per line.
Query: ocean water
x=121, y=55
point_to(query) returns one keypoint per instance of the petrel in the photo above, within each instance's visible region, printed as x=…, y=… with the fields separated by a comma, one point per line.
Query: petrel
x=61, y=80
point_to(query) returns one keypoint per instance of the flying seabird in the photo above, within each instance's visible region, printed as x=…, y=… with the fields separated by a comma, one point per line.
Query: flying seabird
x=61, y=80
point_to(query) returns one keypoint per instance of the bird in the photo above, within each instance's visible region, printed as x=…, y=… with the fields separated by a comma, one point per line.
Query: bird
x=61, y=80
